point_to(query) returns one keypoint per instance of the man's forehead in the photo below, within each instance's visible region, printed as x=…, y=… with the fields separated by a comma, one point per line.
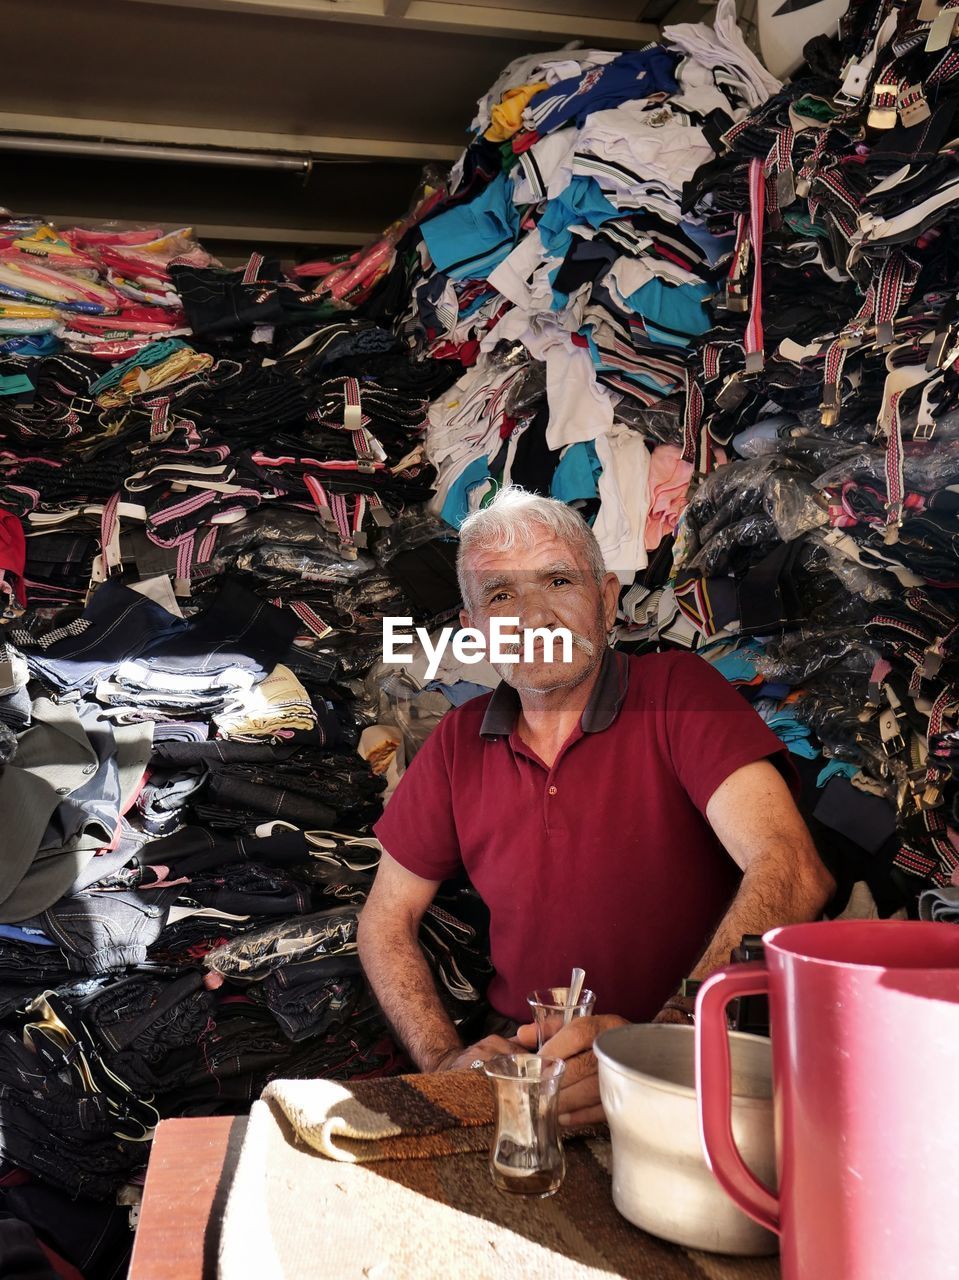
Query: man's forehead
x=544, y=552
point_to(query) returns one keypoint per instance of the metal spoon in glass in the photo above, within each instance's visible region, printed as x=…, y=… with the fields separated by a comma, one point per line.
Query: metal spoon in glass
x=577, y=978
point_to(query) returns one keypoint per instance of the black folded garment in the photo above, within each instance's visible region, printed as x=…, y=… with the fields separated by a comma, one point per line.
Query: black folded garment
x=306, y=1006
x=427, y=575
x=194, y=851
x=93, y=1236
x=142, y=1020
x=232, y=794
x=340, y=779
x=21, y=1257
x=245, y=889
x=188, y=940
x=237, y=627
x=329, y=733
x=61, y=559
x=67, y=1137
x=352, y=339
x=362, y=1049
x=26, y=964
x=219, y=302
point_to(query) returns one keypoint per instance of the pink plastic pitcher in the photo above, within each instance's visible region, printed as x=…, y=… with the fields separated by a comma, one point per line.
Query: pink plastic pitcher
x=864, y=1018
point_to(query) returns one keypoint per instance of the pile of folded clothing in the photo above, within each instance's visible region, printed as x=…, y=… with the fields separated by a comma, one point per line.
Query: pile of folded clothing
x=187, y=851
x=819, y=568
x=563, y=273
x=211, y=491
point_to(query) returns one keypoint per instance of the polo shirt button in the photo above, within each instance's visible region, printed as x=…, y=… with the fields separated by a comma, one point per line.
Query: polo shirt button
x=63, y=791
x=552, y=791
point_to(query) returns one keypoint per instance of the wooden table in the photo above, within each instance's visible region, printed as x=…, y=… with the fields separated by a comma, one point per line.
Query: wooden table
x=188, y=1177
x=188, y=1180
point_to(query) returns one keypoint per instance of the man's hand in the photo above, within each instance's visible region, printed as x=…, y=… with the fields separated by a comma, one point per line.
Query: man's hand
x=482, y=1051
x=579, y=1089
x=673, y=1015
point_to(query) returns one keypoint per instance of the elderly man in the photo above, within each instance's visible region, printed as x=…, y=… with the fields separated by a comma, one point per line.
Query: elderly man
x=632, y=816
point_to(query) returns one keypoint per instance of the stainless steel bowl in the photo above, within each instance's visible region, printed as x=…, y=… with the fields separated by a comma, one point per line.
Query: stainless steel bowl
x=661, y=1182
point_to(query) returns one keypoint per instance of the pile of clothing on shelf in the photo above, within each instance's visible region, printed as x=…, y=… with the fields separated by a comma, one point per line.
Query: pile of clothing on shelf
x=565, y=276
x=211, y=491
x=819, y=568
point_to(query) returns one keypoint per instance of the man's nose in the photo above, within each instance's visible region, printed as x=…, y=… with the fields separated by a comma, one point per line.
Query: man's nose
x=535, y=610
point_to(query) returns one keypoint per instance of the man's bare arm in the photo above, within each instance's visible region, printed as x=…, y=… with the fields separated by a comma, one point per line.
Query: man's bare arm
x=400, y=977
x=784, y=881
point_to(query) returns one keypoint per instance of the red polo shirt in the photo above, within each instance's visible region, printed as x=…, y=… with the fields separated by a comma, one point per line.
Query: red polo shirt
x=605, y=860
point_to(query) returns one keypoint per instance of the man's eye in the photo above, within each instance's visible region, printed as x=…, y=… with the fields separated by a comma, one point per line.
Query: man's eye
x=500, y=595
x=563, y=582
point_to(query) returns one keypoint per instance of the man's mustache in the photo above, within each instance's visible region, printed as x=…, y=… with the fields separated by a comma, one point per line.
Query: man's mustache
x=580, y=641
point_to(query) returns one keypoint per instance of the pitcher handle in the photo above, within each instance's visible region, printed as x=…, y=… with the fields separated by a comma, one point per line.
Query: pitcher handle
x=714, y=1090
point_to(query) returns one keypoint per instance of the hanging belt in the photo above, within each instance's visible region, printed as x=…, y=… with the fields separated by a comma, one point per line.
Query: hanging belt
x=780, y=185
x=755, y=359
x=310, y=619
x=692, y=417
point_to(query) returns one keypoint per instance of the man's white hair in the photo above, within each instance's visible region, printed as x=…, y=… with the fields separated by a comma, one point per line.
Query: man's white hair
x=512, y=520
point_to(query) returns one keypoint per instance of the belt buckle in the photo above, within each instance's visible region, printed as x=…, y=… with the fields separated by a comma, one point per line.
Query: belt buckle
x=924, y=431
x=82, y=405
x=733, y=301
x=367, y=468
x=939, y=348
x=732, y=393
x=894, y=746
x=931, y=798
x=829, y=408
x=883, y=113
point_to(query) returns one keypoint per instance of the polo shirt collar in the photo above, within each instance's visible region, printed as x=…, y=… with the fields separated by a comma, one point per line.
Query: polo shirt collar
x=601, y=710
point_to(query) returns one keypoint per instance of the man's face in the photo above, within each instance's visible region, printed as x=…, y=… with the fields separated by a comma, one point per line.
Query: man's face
x=548, y=584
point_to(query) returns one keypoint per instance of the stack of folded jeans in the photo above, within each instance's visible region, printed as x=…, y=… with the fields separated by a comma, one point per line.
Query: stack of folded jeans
x=192, y=789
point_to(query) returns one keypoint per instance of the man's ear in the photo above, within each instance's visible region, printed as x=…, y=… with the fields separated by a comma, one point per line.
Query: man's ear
x=610, y=594
x=465, y=618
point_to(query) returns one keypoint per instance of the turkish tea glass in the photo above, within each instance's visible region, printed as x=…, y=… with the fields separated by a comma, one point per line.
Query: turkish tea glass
x=526, y=1157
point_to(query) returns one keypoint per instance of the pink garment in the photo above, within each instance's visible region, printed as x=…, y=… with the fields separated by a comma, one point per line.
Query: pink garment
x=669, y=480
x=84, y=236
x=13, y=553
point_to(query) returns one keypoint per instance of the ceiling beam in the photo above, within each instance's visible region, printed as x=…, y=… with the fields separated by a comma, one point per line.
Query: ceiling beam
x=317, y=146
x=434, y=15
x=109, y=149
x=221, y=231
x=478, y=19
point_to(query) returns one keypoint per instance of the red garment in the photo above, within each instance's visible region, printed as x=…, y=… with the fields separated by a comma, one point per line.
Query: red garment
x=523, y=140
x=605, y=860
x=13, y=552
